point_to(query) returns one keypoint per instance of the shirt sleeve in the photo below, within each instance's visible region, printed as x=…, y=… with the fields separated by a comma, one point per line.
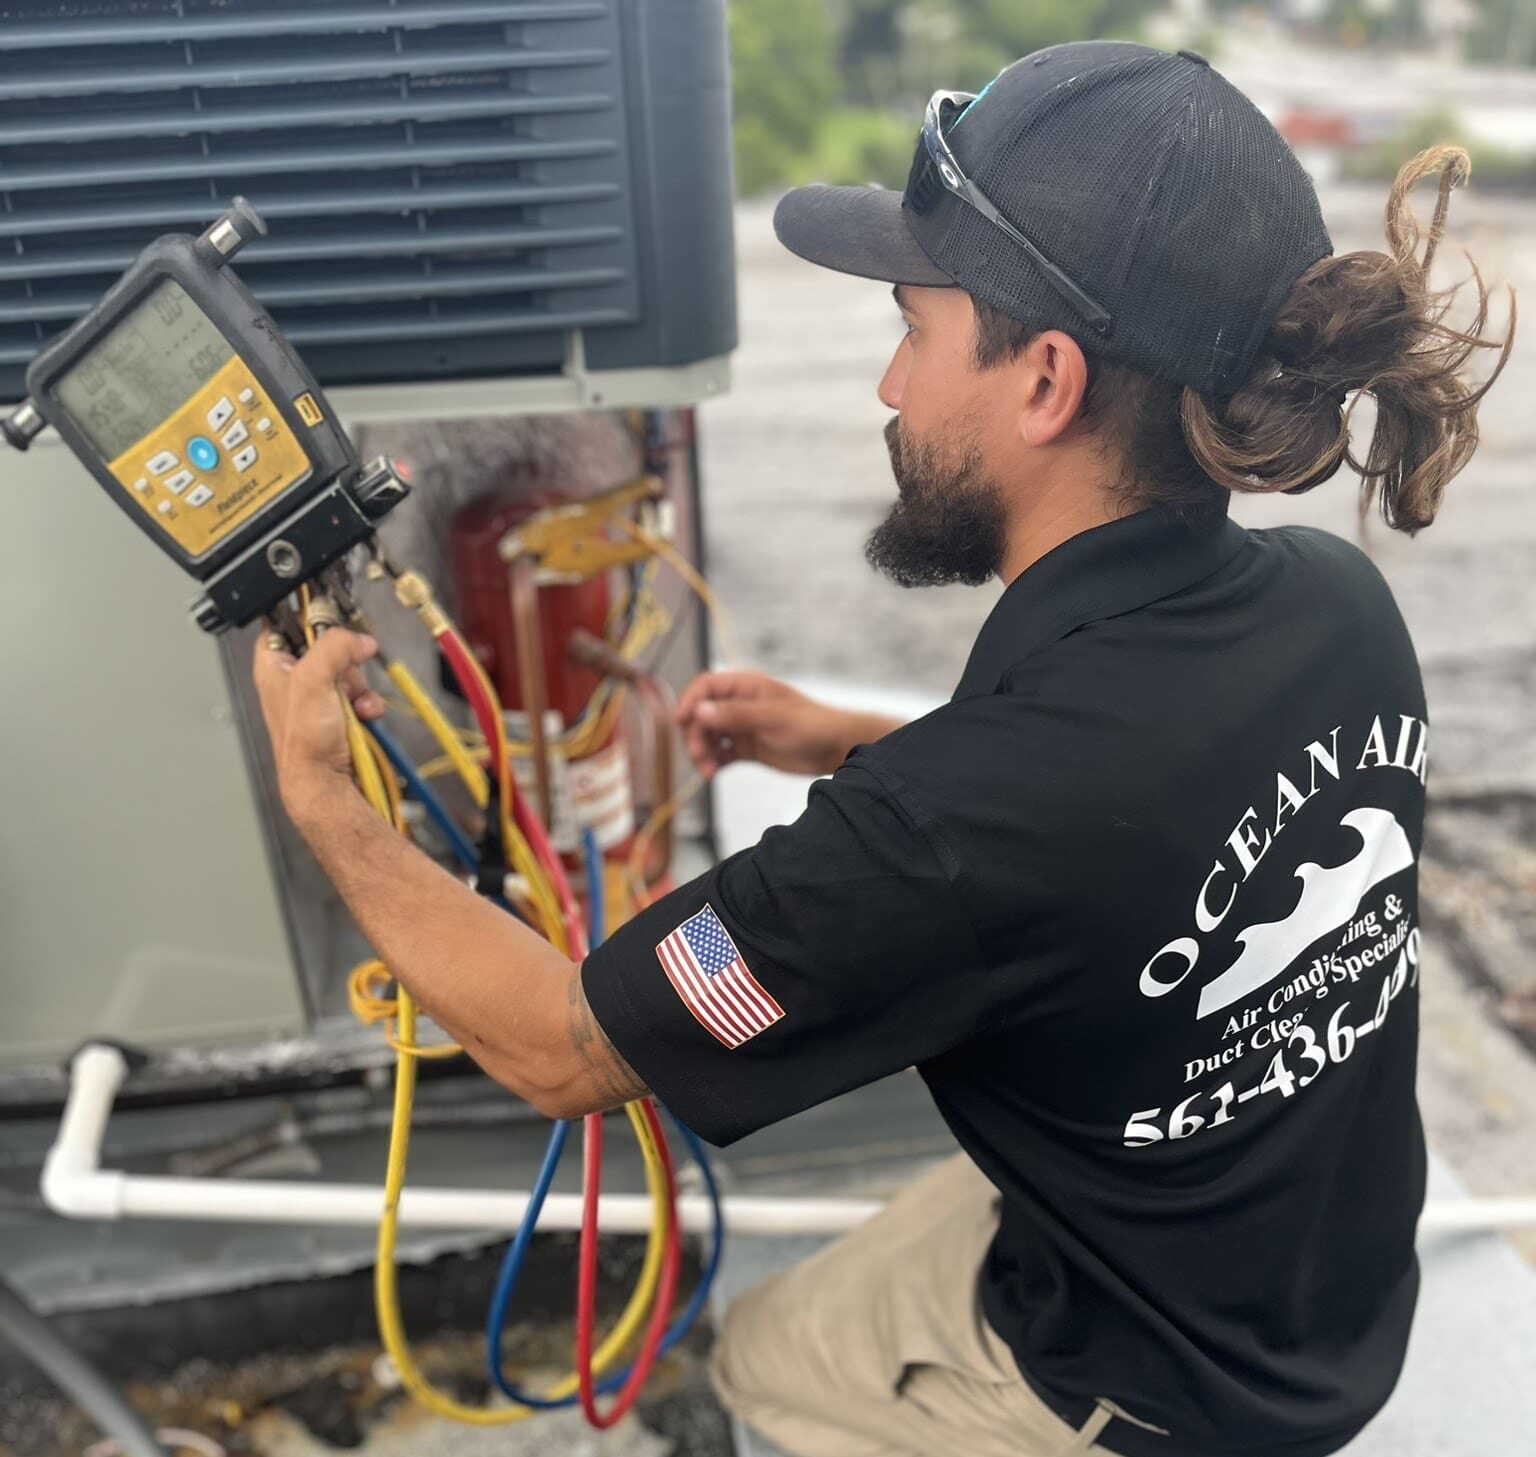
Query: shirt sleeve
x=830, y=954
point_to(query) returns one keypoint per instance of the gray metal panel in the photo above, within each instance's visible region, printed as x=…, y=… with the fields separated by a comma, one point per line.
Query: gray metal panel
x=136, y=897
x=172, y=23
x=678, y=130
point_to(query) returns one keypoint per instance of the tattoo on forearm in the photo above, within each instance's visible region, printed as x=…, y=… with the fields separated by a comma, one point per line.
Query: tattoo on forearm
x=613, y=1078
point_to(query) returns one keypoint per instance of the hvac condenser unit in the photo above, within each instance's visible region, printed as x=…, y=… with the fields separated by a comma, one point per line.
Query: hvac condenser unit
x=477, y=208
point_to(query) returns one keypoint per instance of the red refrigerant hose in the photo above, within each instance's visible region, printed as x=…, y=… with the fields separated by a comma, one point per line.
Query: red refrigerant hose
x=456, y=651
x=586, y=1286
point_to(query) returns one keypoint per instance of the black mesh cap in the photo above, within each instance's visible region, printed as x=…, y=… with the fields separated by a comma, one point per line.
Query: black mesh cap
x=1147, y=178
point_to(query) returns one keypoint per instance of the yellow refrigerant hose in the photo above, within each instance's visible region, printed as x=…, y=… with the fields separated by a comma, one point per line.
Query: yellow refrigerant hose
x=376, y=781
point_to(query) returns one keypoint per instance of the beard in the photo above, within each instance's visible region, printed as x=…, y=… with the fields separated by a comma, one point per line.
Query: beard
x=949, y=523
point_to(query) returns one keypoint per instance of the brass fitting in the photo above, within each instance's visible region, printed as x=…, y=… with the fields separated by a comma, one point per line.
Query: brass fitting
x=322, y=613
x=412, y=590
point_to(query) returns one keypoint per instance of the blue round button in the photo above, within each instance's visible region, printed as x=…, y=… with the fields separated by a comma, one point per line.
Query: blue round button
x=202, y=452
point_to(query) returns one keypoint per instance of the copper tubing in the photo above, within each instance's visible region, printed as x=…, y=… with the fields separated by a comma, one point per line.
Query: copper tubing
x=659, y=700
x=530, y=673
x=593, y=652
x=602, y=657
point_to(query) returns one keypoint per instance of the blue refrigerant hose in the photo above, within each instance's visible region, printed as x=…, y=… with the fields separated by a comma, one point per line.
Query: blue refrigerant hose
x=458, y=841
x=463, y=850
x=512, y=1266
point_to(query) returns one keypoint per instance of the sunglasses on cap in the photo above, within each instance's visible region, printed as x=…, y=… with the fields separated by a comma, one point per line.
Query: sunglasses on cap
x=936, y=176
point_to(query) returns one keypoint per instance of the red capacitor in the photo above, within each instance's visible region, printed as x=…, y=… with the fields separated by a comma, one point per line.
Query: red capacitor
x=485, y=605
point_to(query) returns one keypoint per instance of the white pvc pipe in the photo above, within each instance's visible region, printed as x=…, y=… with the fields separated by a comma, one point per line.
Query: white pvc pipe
x=75, y=1184
x=1452, y=1216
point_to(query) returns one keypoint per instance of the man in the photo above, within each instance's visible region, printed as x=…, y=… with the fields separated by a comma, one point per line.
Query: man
x=1139, y=903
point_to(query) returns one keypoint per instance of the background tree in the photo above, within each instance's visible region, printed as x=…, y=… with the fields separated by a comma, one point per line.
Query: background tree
x=784, y=78
x=1506, y=33
x=833, y=89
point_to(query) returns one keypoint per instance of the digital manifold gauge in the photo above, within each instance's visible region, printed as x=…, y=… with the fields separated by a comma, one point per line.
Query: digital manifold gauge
x=198, y=418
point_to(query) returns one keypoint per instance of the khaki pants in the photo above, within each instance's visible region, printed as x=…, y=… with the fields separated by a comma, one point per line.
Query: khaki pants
x=876, y=1345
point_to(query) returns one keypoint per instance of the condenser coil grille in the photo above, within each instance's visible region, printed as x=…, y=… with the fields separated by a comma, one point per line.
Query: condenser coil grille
x=448, y=183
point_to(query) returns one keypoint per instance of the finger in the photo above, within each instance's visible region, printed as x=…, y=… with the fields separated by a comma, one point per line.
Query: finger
x=268, y=658
x=720, y=751
x=708, y=687
x=324, y=666
x=696, y=741
x=691, y=696
x=271, y=671
x=709, y=751
x=736, y=715
x=318, y=676
x=366, y=704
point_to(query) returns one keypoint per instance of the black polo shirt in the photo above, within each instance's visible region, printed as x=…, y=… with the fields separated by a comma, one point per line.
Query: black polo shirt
x=1140, y=905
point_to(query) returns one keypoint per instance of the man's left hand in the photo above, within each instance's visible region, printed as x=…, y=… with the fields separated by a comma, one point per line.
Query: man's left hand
x=301, y=702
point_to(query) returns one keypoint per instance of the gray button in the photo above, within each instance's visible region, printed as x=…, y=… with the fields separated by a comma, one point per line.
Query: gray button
x=164, y=508
x=246, y=396
x=200, y=495
x=221, y=413
x=237, y=434
x=263, y=424
x=177, y=483
x=141, y=484
x=158, y=465
x=245, y=459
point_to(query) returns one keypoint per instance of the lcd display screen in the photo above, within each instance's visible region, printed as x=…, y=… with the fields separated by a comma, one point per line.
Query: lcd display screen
x=145, y=369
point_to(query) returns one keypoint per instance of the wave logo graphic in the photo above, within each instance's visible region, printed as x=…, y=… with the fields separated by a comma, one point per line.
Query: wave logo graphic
x=1329, y=899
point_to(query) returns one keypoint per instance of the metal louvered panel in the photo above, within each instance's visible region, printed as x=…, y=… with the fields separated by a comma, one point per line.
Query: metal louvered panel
x=454, y=175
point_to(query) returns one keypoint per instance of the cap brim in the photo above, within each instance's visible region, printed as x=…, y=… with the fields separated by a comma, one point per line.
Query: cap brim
x=858, y=230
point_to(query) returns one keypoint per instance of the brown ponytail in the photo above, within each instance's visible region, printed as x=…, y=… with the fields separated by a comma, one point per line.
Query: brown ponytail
x=1363, y=323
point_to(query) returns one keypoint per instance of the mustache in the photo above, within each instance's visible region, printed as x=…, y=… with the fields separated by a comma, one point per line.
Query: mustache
x=899, y=462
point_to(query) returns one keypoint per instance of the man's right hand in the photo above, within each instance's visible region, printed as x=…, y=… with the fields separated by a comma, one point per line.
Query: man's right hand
x=744, y=715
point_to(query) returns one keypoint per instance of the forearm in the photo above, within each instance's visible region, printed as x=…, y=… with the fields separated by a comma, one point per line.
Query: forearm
x=496, y=987
x=852, y=729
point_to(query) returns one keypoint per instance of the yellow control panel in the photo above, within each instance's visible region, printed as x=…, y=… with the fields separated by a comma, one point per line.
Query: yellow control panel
x=215, y=463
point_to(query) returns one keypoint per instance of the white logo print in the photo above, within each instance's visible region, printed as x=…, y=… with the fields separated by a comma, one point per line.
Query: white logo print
x=1329, y=898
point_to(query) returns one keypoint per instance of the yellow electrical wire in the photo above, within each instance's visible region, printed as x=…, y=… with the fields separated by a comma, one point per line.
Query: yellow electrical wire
x=634, y=867
x=689, y=573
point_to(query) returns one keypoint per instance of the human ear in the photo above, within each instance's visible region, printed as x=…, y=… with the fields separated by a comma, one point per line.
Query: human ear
x=1056, y=380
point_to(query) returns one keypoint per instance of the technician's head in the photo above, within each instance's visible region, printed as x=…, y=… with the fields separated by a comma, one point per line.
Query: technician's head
x=1117, y=283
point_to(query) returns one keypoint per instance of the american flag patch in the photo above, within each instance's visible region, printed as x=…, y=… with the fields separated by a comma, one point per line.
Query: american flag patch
x=707, y=971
